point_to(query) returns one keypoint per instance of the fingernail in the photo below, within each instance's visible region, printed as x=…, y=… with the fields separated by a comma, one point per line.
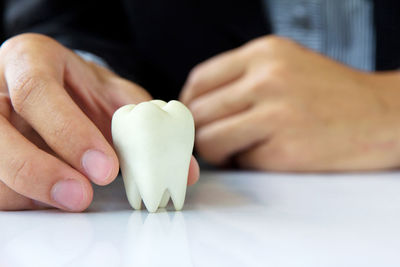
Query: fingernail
x=97, y=165
x=68, y=193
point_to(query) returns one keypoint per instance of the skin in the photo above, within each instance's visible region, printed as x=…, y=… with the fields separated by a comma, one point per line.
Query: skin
x=274, y=105
x=55, y=117
x=268, y=105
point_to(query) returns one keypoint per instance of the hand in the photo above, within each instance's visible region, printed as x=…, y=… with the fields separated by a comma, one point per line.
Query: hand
x=55, y=117
x=275, y=105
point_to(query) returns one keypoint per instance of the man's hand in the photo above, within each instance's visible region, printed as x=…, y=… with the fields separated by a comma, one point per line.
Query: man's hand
x=274, y=105
x=55, y=113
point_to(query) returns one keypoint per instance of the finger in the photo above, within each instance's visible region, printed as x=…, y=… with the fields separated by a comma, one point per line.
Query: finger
x=221, y=103
x=114, y=91
x=194, y=171
x=10, y=200
x=122, y=92
x=259, y=158
x=218, y=141
x=111, y=92
x=37, y=175
x=213, y=73
x=38, y=96
x=20, y=124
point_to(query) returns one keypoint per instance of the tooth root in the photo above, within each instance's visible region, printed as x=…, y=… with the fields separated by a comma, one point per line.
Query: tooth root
x=178, y=193
x=165, y=199
x=151, y=198
x=133, y=193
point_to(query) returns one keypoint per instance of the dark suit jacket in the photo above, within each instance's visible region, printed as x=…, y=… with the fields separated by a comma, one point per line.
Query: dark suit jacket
x=156, y=43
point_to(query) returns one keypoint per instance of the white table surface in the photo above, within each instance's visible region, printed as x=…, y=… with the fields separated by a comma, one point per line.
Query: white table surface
x=229, y=219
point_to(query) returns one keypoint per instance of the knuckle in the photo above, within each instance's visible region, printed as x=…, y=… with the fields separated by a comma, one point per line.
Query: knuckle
x=257, y=85
x=24, y=89
x=265, y=42
x=196, y=76
x=270, y=77
x=14, y=44
x=24, y=38
x=23, y=170
x=24, y=41
x=260, y=79
x=268, y=44
x=259, y=82
x=275, y=40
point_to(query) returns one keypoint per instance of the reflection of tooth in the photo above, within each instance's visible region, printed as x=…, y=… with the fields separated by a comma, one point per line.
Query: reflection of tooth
x=154, y=142
x=165, y=199
x=156, y=239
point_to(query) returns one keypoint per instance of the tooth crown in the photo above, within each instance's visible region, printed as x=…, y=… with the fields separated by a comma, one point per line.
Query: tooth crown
x=154, y=142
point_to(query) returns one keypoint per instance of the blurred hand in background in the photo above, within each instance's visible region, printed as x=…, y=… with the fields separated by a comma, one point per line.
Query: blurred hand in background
x=275, y=105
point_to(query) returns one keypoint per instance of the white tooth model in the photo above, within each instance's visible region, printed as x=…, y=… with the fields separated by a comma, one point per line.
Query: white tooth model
x=154, y=142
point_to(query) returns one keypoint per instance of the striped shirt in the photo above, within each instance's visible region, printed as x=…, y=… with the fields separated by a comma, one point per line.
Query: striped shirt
x=341, y=29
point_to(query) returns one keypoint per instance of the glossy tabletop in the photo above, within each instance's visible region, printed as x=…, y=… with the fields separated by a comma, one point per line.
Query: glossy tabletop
x=229, y=219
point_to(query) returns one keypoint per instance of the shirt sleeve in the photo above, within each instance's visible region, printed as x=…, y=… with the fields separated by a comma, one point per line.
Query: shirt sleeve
x=90, y=57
